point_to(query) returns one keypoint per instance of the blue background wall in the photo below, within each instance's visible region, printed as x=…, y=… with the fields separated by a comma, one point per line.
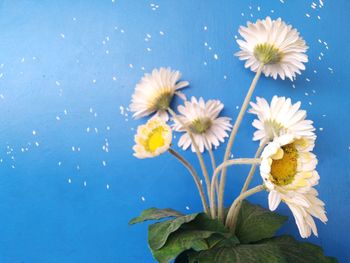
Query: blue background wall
x=68, y=180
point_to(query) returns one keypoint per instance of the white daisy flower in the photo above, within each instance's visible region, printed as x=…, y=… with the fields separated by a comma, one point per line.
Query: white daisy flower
x=288, y=171
x=202, y=118
x=155, y=92
x=281, y=117
x=152, y=139
x=275, y=44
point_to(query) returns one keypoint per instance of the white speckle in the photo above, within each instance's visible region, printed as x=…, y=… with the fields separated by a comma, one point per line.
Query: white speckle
x=74, y=19
x=205, y=28
x=114, y=78
x=107, y=52
x=58, y=118
x=104, y=163
x=237, y=107
x=242, y=14
x=293, y=85
x=65, y=112
x=225, y=77
x=216, y=56
x=36, y=144
x=205, y=63
x=59, y=163
x=34, y=132
x=308, y=15
x=69, y=180
x=22, y=60
x=122, y=31
x=1, y=75
x=94, y=81
x=308, y=80
x=321, y=129
x=57, y=83
x=310, y=103
x=62, y=35
x=187, y=208
x=282, y=1
x=149, y=49
x=121, y=108
x=85, y=183
x=143, y=198
x=107, y=186
x=131, y=66
x=161, y=33
x=306, y=94
x=88, y=129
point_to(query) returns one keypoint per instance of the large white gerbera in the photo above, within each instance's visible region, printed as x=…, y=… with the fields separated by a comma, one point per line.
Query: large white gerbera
x=202, y=119
x=155, y=92
x=288, y=171
x=152, y=139
x=275, y=44
x=281, y=117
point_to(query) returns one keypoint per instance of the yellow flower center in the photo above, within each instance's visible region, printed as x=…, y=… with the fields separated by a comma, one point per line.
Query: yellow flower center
x=155, y=140
x=201, y=125
x=267, y=53
x=163, y=100
x=283, y=170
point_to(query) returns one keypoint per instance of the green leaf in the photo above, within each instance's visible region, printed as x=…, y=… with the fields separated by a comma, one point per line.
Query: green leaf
x=256, y=223
x=182, y=258
x=181, y=241
x=299, y=252
x=158, y=233
x=155, y=214
x=283, y=249
x=204, y=222
x=253, y=253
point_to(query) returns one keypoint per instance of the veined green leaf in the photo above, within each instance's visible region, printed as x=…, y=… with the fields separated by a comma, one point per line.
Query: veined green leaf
x=256, y=223
x=155, y=214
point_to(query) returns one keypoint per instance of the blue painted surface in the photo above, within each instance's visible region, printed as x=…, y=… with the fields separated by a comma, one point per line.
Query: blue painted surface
x=68, y=66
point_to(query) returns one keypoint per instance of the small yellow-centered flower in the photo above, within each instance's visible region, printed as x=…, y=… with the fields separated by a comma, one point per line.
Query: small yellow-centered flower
x=152, y=139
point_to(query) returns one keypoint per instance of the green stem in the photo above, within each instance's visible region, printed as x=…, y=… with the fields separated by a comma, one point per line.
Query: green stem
x=199, y=155
x=253, y=168
x=213, y=163
x=195, y=177
x=233, y=211
x=215, y=176
x=232, y=138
